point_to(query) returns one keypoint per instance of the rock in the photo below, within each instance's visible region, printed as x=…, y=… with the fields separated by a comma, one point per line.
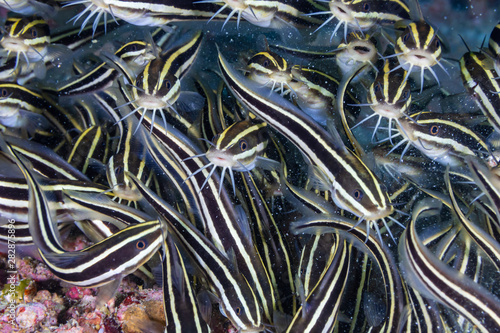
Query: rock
x=154, y=309
x=133, y=318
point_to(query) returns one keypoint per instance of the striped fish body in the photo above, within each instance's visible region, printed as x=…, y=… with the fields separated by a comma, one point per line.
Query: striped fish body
x=269, y=68
x=221, y=221
x=92, y=144
x=239, y=145
x=148, y=12
x=237, y=298
x=324, y=300
x=105, y=262
x=14, y=203
x=494, y=46
x=109, y=260
x=29, y=37
x=445, y=138
x=353, y=185
x=481, y=81
x=182, y=312
x=135, y=55
x=315, y=259
x=446, y=285
x=419, y=46
x=389, y=95
x=394, y=293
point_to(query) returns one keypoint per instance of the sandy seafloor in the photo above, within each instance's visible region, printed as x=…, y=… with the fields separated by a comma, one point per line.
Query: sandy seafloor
x=47, y=305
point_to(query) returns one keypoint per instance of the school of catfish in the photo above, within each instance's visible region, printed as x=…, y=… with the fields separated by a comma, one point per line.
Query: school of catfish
x=299, y=166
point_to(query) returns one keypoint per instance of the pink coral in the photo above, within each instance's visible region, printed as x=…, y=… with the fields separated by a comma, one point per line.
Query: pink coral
x=78, y=292
x=32, y=269
x=28, y=316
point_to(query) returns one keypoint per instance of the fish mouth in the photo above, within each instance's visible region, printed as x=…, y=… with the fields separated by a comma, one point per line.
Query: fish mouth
x=419, y=58
x=220, y=158
x=14, y=44
x=151, y=102
x=387, y=110
x=341, y=11
x=363, y=51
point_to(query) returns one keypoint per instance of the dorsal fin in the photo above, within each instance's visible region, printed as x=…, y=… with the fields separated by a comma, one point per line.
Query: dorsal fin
x=415, y=10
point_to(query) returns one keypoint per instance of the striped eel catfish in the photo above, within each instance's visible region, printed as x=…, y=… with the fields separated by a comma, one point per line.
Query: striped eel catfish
x=488, y=181
x=104, y=263
x=14, y=201
x=445, y=138
x=238, y=301
x=490, y=246
x=314, y=92
x=269, y=14
x=136, y=53
x=223, y=225
x=356, y=50
x=34, y=114
x=444, y=284
x=157, y=87
x=176, y=175
x=145, y=12
x=389, y=96
x=418, y=46
x=353, y=186
x=315, y=258
x=395, y=297
x=182, y=311
x=25, y=37
x=480, y=78
x=271, y=242
x=238, y=148
x=14, y=204
x=44, y=160
x=364, y=14
x=93, y=144
x=129, y=157
x=61, y=43
x=269, y=69
x=320, y=309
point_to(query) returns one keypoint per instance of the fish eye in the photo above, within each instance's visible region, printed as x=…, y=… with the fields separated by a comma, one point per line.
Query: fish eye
x=434, y=130
x=118, y=170
x=437, y=43
x=377, y=87
x=133, y=47
x=406, y=37
x=406, y=94
x=243, y=145
x=34, y=33
x=215, y=138
x=366, y=7
x=4, y=92
x=358, y=194
x=168, y=84
x=265, y=63
x=238, y=311
x=140, y=244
